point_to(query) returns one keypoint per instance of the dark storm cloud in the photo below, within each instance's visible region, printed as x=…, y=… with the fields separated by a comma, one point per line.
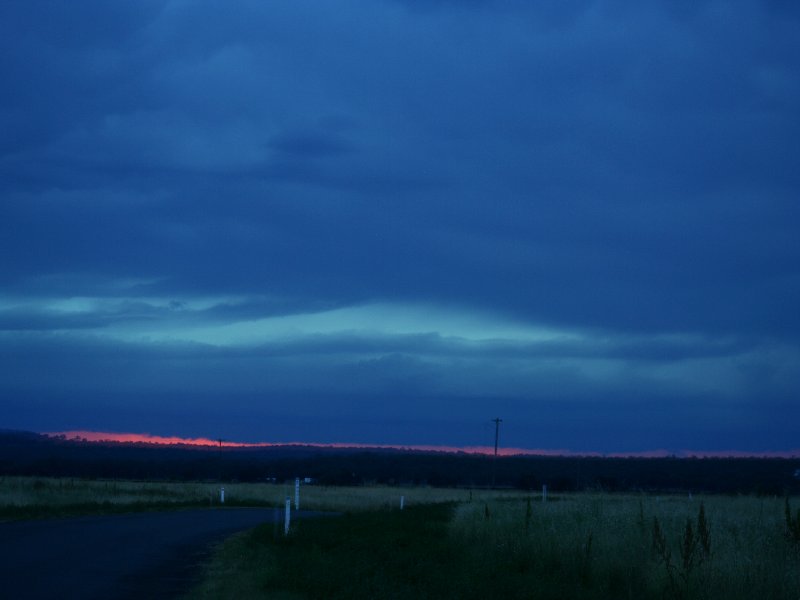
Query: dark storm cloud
x=18, y=320
x=382, y=380
x=627, y=171
x=309, y=144
x=593, y=155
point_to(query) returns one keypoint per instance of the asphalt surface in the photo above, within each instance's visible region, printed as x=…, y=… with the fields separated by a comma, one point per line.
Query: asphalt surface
x=141, y=555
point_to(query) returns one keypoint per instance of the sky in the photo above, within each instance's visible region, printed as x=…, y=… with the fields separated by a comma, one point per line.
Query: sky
x=391, y=221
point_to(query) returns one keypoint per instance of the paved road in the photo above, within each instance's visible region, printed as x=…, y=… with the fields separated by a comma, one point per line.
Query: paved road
x=142, y=555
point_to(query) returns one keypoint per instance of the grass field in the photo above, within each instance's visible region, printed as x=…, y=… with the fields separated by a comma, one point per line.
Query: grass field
x=636, y=547
x=572, y=547
x=467, y=544
x=33, y=497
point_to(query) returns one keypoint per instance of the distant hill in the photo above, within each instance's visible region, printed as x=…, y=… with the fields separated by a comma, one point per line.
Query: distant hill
x=28, y=453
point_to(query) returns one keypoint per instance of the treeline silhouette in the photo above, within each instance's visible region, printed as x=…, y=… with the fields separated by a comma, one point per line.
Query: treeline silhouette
x=24, y=453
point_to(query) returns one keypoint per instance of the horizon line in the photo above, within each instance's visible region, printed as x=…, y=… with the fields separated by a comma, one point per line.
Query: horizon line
x=146, y=438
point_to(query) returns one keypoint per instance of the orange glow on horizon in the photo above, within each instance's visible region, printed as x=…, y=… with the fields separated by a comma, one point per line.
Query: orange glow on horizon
x=146, y=438
x=142, y=438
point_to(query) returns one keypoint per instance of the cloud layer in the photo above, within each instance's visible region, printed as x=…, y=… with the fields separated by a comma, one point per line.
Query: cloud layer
x=391, y=221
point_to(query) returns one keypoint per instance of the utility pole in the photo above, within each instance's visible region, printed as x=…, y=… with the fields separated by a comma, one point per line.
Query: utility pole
x=497, y=422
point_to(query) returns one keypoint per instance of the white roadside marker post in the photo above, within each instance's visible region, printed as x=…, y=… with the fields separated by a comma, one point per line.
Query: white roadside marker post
x=544, y=493
x=222, y=495
x=288, y=516
x=402, y=502
x=297, y=493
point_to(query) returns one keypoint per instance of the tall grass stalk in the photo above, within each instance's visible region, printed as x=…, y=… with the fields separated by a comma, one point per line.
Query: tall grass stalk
x=584, y=546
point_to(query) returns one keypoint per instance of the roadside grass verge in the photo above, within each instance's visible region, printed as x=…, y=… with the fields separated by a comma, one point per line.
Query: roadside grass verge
x=42, y=497
x=376, y=554
x=240, y=567
x=34, y=511
x=580, y=546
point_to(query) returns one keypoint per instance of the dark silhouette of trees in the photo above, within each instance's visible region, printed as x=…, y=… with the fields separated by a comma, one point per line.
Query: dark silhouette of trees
x=23, y=453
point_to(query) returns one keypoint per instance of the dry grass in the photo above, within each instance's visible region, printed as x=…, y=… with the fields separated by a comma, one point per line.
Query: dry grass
x=603, y=546
x=32, y=496
x=573, y=546
x=577, y=546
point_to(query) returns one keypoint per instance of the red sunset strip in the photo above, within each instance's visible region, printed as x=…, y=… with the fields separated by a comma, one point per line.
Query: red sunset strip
x=146, y=438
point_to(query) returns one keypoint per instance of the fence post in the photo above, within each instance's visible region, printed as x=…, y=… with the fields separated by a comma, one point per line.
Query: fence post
x=297, y=493
x=222, y=495
x=402, y=502
x=544, y=493
x=288, y=516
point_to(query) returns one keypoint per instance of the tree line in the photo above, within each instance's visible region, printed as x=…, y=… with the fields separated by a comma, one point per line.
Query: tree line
x=23, y=453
